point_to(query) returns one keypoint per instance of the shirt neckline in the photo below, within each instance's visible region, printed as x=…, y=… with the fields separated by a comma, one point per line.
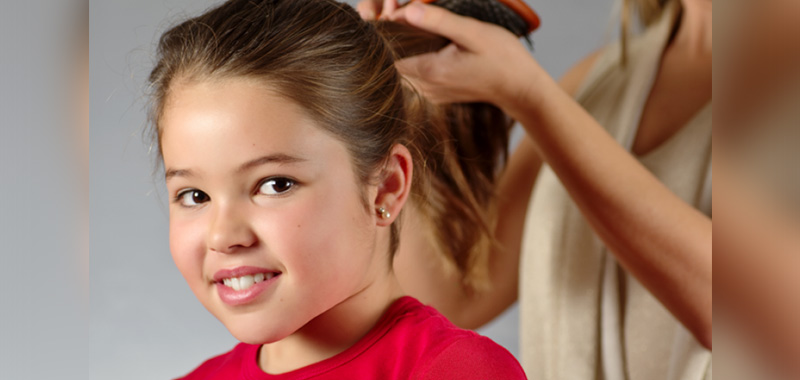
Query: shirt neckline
x=395, y=311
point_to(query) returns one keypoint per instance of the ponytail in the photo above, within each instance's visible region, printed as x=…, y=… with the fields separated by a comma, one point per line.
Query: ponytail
x=458, y=148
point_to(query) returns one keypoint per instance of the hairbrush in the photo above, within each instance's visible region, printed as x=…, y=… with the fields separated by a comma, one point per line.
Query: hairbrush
x=514, y=15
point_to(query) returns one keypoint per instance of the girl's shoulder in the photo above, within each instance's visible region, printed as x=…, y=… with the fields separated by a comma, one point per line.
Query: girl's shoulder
x=438, y=349
x=224, y=366
x=474, y=357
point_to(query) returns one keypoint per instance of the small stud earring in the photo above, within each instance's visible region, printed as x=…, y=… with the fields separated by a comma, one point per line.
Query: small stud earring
x=384, y=214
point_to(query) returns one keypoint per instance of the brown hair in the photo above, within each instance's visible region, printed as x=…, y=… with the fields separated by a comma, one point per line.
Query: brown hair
x=340, y=69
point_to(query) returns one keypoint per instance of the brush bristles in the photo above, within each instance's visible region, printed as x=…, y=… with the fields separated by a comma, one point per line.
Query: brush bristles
x=491, y=11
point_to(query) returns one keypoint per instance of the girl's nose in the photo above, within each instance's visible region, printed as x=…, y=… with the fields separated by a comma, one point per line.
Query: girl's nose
x=230, y=231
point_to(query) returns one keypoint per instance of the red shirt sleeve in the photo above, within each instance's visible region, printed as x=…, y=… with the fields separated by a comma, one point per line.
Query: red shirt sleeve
x=473, y=358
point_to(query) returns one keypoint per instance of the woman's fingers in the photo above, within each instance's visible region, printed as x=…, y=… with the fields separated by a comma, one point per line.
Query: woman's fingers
x=368, y=9
x=372, y=9
x=437, y=20
x=452, y=75
x=389, y=6
x=413, y=71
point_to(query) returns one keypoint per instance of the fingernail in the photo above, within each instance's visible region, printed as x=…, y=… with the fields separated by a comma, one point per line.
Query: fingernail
x=368, y=15
x=415, y=12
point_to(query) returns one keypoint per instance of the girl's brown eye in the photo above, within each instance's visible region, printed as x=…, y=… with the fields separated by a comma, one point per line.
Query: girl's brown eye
x=191, y=198
x=276, y=186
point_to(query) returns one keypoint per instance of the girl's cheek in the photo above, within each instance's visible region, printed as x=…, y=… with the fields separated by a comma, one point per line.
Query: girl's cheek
x=298, y=234
x=187, y=247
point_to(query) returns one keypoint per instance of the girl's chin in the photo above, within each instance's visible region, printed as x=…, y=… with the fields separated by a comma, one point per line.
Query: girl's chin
x=246, y=334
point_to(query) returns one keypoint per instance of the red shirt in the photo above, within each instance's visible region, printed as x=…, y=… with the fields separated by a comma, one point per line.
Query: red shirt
x=410, y=341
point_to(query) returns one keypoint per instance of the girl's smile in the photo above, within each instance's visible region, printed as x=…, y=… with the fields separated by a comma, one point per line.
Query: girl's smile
x=242, y=285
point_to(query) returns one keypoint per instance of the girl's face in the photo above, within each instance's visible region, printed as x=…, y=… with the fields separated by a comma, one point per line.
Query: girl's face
x=267, y=223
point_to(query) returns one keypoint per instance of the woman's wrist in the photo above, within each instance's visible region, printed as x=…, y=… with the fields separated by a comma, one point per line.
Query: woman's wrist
x=526, y=90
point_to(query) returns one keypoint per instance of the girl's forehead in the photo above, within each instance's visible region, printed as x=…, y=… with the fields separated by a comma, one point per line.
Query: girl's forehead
x=231, y=122
x=237, y=107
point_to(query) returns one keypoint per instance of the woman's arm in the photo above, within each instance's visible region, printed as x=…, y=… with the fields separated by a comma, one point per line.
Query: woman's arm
x=756, y=235
x=662, y=241
x=657, y=237
x=758, y=262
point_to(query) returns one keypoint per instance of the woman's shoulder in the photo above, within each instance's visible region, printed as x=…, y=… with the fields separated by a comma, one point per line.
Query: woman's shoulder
x=610, y=64
x=597, y=69
x=571, y=81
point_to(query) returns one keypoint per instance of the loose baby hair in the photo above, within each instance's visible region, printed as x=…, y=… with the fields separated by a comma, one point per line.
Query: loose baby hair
x=340, y=70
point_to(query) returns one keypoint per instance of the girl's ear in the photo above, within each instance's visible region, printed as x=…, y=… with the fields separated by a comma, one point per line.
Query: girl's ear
x=395, y=185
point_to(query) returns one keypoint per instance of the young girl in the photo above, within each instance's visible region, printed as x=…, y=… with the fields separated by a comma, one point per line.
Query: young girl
x=289, y=147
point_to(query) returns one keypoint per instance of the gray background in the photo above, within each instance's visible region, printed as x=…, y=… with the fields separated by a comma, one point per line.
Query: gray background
x=43, y=302
x=145, y=322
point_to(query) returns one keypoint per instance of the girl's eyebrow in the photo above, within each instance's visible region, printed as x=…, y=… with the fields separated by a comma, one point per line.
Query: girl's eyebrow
x=278, y=158
x=170, y=173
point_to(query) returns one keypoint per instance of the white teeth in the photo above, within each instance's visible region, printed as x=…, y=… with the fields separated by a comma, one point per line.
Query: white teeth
x=245, y=282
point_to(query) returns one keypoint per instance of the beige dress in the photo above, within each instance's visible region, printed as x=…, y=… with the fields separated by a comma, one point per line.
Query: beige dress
x=583, y=317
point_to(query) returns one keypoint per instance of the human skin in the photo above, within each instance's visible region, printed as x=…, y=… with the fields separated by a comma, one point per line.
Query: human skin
x=756, y=244
x=757, y=263
x=372, y=9
x=661, y=240
x=255, y=182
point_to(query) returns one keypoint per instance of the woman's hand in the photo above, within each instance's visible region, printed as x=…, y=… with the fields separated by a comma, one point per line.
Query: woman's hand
x=484, y=62
x=372, y=9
